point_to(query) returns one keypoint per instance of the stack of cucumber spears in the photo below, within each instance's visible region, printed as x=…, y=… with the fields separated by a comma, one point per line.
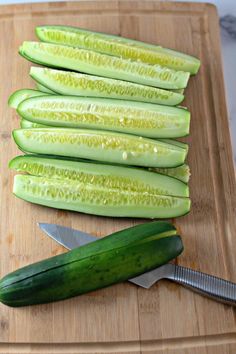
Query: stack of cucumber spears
x=99, y=136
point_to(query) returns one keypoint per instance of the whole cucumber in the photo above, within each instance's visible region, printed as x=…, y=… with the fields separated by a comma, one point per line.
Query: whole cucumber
x=113, y=259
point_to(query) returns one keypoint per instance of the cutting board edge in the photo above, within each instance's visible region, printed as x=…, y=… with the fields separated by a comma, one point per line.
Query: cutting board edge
x=154, y=346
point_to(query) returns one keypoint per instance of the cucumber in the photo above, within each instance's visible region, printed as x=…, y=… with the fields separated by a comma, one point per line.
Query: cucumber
x=176, y=143
x=20, y=95
x=182, y=172
x=118, y=46
x=90, y=62
x=100, y=145
x=112, y=259
x=181, y=91
x=145, y=119
x=115, y=177
x=44, y=89
x=24, y=123
x=76, y=84
x=98, y=199
x=27, y=124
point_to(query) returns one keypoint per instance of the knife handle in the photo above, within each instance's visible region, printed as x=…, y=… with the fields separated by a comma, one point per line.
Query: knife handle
x=205, y=284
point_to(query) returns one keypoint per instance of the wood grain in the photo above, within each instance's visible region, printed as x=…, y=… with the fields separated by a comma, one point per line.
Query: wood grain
x=124, y=318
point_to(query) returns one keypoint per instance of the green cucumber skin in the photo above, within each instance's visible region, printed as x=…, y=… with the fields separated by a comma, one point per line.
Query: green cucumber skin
x=76, y=84
x=142, y=119
x=105, y=175
x=99, y=145
x=98, y=200
x=87, y=268
x=91, y=274
x=44, y=89
x=94, y=63
x=123, y=238
x=118, y=46
x=20, y=95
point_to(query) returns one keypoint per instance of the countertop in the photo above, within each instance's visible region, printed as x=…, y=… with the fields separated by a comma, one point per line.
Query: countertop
x=227, y=13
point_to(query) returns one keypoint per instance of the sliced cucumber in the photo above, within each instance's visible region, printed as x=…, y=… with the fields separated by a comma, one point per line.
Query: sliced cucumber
x=115, y=177
x=176, y=142
x=109, y=260
x=75, y=84
x=42, y=88
x=24, y=123
x=98, y=200
x=118, y=46
x=20, y=95
x=181, y=91
x=100, y=145
x=181, y=172
x=145, y=119
x=95, y=63
x=27, y=124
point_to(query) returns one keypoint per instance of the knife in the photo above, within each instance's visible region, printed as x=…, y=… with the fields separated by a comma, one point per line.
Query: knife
x=205, y=284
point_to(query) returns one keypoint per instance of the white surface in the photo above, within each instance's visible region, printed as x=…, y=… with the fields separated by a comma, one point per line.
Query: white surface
x=228, y=50
x=228, y=7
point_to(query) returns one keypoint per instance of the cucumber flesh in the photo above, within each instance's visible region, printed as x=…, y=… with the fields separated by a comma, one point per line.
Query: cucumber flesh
x=20, y=95
x=145, y=119
x=176, y=142
x=96, y=265
x=99, y=145
x=123, y=178
x=90, y=62
x=76, y=84
x=118, y=46
x=182, y=173
x=44, y=89
x=180, y=91
x=96, y=199
x=27, y=124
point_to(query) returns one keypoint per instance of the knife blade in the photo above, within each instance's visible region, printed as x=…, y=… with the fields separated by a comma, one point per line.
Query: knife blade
x=66, y=236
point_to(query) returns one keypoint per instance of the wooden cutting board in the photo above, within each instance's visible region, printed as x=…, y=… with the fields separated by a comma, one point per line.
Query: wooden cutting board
x=124, y=318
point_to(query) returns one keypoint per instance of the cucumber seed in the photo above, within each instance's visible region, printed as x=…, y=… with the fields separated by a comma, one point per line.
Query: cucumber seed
x=124, y=155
